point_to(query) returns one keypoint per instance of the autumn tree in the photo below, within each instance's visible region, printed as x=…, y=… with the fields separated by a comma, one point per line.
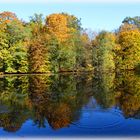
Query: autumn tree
x=62, y=29
x=37, y=56
x=38, y=61
x=130, y=48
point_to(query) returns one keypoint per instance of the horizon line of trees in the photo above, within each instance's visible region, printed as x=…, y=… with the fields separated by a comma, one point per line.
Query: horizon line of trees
x=59, y=43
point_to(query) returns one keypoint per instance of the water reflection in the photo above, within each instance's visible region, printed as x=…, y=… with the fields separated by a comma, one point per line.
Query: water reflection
x=86, y=100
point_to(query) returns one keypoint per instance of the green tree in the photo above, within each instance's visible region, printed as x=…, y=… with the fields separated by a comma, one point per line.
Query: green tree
x=103, y=55
x=13, y=40
x=132, y=20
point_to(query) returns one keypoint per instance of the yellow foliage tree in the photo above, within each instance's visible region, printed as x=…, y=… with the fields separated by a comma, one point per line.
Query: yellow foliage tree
x=129, y=41
x=57, y=26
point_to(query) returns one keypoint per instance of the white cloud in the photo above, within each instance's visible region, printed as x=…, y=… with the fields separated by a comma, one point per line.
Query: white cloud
x=69, y=1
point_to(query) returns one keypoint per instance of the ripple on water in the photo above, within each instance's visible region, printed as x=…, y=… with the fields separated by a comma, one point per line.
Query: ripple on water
x=99, y=119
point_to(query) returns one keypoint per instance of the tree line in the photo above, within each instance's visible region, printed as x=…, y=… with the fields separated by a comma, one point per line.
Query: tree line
x=58, y=43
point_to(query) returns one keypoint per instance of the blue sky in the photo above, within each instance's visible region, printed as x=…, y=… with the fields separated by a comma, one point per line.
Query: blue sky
x=96, y=16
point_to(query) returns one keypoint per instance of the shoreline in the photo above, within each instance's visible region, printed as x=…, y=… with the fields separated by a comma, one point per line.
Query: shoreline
x=47, y=73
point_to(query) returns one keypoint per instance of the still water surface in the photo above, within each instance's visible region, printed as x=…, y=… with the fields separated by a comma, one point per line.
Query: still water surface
x=70, y=105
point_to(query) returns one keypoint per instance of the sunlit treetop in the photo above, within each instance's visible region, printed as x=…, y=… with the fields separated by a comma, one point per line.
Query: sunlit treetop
x=7, y=17
x=127, y=27
x=57, y=26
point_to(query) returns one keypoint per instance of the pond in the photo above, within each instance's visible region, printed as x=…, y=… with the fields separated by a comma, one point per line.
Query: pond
x=70, y=105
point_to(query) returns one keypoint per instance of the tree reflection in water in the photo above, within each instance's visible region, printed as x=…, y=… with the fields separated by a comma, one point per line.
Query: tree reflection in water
x=58, y=99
